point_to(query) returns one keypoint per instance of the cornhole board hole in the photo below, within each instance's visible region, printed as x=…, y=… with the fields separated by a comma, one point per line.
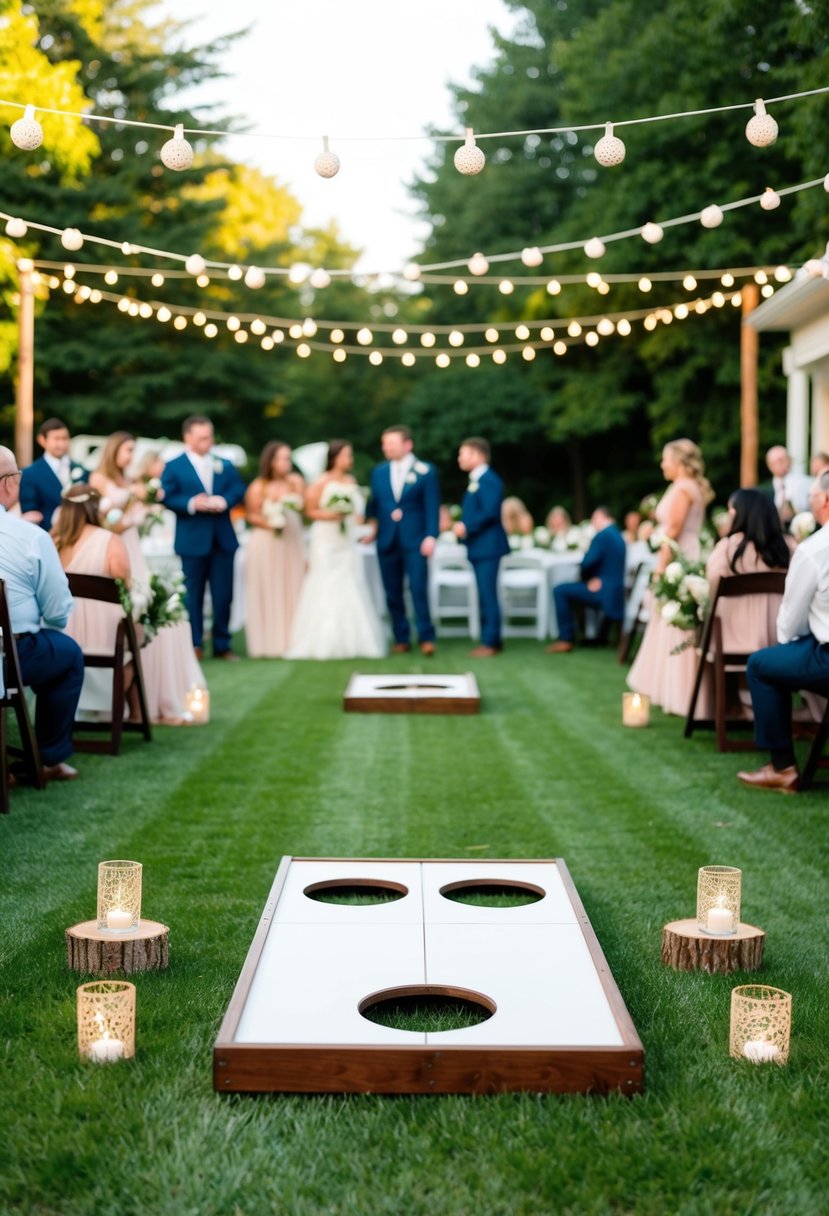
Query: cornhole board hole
x=412, y=694
x=556, y=1020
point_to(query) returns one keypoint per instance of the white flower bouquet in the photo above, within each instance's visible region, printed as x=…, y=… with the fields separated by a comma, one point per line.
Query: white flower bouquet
x=803, y=525
x=154, y=607
x=681, y=593
x=275, y=511
x=341, y=501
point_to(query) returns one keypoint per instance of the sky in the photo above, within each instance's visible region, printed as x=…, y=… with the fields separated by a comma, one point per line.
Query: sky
x=345, y=68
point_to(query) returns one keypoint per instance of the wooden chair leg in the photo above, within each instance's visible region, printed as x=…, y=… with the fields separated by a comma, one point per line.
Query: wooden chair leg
x=815, y=752
x=4, y=764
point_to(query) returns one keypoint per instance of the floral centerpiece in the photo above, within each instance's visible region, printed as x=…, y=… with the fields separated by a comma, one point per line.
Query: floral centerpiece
x=275, y=511
x=542, y=537
x=340, y=500
x=803, y=525
x=681, y=593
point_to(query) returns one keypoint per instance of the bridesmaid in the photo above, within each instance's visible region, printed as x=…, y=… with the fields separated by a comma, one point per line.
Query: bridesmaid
x=275, y=553
x=668, y=678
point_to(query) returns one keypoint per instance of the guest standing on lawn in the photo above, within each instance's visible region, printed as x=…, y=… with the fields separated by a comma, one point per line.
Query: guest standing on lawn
x=275, y=557
x=480, y=527
x=42, y=483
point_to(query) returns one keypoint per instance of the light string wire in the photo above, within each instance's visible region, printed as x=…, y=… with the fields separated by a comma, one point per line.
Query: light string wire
x=435, y=137
x=130, y=247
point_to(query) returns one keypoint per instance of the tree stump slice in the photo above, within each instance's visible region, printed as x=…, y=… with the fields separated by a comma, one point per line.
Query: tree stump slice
x=98, y=953
x=686, y=948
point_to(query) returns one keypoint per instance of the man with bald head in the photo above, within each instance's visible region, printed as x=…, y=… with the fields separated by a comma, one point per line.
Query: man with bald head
x=789, y=490
x=39, y=606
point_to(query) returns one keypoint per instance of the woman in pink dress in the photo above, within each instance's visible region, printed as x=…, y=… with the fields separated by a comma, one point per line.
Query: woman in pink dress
x=665, y=677
x=169, y=663
x=274, y=554
x=755, y=544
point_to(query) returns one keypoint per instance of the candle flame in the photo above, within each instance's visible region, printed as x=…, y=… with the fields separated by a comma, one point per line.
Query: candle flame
x=636, y=700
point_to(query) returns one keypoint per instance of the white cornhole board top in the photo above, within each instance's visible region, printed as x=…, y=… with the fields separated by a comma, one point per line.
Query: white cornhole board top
x=410, y=693
x=313, y=964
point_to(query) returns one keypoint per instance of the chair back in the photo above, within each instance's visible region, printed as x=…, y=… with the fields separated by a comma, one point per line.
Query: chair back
x=13, y=696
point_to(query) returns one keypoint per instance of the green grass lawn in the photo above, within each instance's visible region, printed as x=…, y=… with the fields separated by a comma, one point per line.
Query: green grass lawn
x=546, y=770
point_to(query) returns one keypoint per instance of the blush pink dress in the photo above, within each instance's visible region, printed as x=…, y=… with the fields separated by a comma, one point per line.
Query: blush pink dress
x=667, y=678
x=93, y=625
x=274, y=570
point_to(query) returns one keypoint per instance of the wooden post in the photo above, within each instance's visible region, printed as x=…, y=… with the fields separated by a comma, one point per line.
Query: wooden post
x=749, y=427
x=24, y=414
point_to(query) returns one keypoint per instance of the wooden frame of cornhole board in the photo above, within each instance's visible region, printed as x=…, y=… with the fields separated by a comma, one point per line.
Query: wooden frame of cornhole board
x=558, y=1025
x=412, y=694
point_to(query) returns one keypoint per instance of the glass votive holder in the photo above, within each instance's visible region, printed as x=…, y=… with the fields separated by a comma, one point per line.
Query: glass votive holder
x=197, y=706
x=761, y=1023
x=106, y=1021
x=718, y=900
x=636, y=709
x=119, y=896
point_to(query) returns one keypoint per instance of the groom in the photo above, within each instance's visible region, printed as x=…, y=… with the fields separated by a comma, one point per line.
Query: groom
x=200, y=489
x=405, y=502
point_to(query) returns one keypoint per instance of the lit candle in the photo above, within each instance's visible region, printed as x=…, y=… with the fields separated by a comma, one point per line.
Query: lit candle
x=106, y=1049
x=117, y=918
x=635, y=709
x=719, y=919
x=760, y=1051
x=197, y=701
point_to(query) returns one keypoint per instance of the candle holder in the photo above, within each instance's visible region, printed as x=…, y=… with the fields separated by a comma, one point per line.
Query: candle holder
x=197, y=706
x=106, y=1021
x=119, y=896
x=718, y=900
x=636, y=709
x=761, y=1022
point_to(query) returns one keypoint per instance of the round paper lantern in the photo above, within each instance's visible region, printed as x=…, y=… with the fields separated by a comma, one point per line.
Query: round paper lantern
x=769, y=199
x=327, y=163
x=195, y=264
x=478, y=264
x=652, y=233
x=711, y=217
x=27, y=133
x=254, y=278
x=595, y=248
x=761, y=130
x=532, y=256
x=71, y=239
x=610, y=150
x=469, y=159
x=16, y=228
x=177, y=153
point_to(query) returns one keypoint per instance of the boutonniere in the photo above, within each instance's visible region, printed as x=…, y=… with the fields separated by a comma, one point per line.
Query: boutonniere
x=411, y=479
x=218, y=464
x=472, y=488
x=420, y=467
x=76, y=474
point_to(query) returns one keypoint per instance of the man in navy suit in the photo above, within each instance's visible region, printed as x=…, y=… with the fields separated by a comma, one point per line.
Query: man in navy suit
x=602, y=585
x=405, y=502
x=43, y=482
x=486, y=541
x=201, y=488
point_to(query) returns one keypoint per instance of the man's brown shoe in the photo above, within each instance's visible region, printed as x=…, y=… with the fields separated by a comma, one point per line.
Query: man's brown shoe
x=427, y=648
x=784, y=780
x=229, y=656
x=198, y=651
x=559, y=647
x=59, y=772
x=483, y=652
x=400, y=648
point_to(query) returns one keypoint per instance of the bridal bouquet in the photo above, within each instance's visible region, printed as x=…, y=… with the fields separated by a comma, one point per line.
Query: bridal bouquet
x=681, y=593
x=341, y=501
x=275, y=511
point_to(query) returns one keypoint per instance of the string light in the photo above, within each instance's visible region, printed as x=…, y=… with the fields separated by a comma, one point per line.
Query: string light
x=522, y=333
x=461, y=287
x=257, y=327
x=375, y=358
x=303, y=350
x=210, y=330
x=399, y=337
x=295, y=331
x=528, y=353
x=427, y=339
x=727, y=279
x=16, y=228
x=364, y=336
x=442, y=360
x=327, y=164
x=473, y=360
x=499, y=356
x=337, y=335
x=711, y=217
x=769, y=199
x=478, y=264
x=408, y=359
x=553, y=287
x=689, y=283
x=593, y=279
x=27, y=133
x=469, y=159
x=339, y=355
x=592, y=338
x=559, y=347
x=595, y=248
x=456, y=338
x=319, y=278
x=609, y=151
x=546, y=334
x=505, y=287
x=532, y=256
x=761, y=130
x=491, y=334
x=652, y=233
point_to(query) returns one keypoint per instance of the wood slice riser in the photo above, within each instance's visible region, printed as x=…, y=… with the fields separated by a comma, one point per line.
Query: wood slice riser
x=685, y=948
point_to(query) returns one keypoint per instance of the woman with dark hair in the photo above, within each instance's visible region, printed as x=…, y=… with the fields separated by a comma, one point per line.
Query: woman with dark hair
x=755, y=544
x=336, y=618
x=274, y=554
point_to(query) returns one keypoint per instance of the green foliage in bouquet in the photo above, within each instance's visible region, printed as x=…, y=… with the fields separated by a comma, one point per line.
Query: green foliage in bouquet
x=681, y=593
x=153, y=608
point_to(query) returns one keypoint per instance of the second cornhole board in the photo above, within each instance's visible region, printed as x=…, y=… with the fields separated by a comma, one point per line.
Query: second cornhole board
x=294, y=1024
x=412, y=694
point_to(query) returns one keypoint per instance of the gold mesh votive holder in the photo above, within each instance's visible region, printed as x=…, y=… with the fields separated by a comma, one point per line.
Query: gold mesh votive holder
x=761, y=1023
x=106, y=1021
x=718, y=900
x=119, y=896
x=636, y=709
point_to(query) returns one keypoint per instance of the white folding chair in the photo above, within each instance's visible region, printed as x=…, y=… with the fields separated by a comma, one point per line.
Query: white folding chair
x=636, y=611
x=523, y=588
x=453, y=594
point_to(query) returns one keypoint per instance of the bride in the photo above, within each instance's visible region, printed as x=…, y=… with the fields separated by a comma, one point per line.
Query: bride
x=335, y=617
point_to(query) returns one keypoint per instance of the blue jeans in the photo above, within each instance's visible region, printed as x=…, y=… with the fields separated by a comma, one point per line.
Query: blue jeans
x=774, y=673
x=51, y=664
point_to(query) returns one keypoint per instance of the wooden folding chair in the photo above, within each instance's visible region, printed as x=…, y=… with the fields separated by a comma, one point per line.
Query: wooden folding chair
x=13, y=696
x=724, y=662
x=105, y=591
x=814, y=760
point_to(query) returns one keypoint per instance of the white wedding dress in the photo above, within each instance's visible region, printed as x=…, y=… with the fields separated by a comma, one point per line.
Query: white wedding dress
x=336, y=617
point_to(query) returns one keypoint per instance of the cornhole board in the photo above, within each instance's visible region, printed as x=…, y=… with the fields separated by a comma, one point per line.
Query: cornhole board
x=294, y=1023
x=412, y=694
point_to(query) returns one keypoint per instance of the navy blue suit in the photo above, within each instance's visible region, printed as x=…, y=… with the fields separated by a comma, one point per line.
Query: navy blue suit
x=40, y=489
x=205, y=542
x=486, y=544
x=401, y=527
x=605, y=559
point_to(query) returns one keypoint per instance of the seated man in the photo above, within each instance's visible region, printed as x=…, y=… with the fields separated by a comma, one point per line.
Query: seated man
x=602, y=585
x=801, y=658
x=38, y=595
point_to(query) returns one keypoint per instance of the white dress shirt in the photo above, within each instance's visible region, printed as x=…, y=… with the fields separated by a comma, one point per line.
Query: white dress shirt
x=793, y=488
x=204, y=468
x=805, y=606
x=400, y=470
x=477, y=473
x=36, y=586
x=62, y=468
